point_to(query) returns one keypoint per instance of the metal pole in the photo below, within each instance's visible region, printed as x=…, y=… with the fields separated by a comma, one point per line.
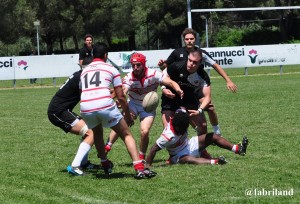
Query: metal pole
x=38, y=40
x=37, y=25
x=206, y=32
x=189, y=14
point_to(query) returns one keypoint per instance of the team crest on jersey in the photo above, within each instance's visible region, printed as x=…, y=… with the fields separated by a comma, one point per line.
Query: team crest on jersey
x=181, y=55
x=181, y=75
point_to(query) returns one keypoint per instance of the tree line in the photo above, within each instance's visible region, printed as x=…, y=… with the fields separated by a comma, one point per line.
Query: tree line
x=140, y=24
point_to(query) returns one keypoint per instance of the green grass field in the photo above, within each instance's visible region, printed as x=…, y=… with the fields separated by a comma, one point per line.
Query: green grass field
x=34, y=153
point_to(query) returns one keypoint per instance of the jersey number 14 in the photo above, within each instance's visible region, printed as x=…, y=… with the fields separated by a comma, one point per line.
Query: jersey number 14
x=94, y=80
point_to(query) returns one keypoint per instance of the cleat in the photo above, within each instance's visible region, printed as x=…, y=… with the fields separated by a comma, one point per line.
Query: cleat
x=76, y=171
x=243, y=146
x=107, y=167
x=90, y=166
x=146, y=173
x=139, y=175
x=221, y=160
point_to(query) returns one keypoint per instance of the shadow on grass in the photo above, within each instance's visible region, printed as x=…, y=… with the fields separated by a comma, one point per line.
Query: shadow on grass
x=114, y=175
x=99, y=174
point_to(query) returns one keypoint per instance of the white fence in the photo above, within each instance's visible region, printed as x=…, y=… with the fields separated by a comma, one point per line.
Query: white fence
x=52, y=66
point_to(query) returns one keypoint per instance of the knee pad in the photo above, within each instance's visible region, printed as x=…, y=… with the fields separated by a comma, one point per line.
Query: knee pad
x=83, y=130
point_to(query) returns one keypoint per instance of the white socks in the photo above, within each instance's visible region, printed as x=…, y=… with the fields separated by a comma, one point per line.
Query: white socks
x=82, y=151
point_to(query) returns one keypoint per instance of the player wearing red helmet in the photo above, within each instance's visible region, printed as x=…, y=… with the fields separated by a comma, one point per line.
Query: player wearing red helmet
x=140, y=81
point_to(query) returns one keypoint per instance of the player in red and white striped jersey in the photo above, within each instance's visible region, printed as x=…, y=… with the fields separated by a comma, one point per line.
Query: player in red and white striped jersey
x=182, y=150
x=140, y=81
x=98, y=108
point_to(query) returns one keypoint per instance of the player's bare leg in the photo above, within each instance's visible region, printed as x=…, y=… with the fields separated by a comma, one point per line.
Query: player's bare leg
x=199, y=122
x=196, y=160
x=123, y=131
x=146, y=125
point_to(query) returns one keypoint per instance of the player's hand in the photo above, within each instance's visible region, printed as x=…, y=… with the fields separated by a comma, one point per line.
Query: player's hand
x=168, y=93
x=232, y=87
x=161, y=64
x=193, y=112
x=180, y=93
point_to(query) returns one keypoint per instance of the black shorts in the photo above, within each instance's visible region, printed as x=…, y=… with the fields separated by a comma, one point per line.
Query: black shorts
x=168, y=104
x=63, y=119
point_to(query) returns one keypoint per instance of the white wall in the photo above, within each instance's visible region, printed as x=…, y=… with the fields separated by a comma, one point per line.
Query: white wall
x=48, y=66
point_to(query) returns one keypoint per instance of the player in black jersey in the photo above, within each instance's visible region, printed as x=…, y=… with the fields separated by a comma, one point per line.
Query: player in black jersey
x=195, y=84
x=86, y=52
x=60, y=114
x=181, y=54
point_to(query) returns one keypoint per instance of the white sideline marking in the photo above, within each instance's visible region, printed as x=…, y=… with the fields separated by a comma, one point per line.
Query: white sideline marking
x=93, y=200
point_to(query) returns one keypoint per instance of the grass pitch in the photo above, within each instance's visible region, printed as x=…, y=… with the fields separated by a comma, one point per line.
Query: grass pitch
x=34, y=153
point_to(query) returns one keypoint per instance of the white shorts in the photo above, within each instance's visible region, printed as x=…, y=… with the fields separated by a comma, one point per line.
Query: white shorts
x=108, y=118
x=139, y=110
x=191, y=149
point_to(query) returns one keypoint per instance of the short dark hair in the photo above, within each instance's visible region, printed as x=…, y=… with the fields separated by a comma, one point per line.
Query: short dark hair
x=99, y=50
x=180, y=122
x=189, y=31
x=196, y=52
x=88, y=36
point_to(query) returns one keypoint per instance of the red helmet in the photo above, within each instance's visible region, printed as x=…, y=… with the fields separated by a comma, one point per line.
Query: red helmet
x=138, y=57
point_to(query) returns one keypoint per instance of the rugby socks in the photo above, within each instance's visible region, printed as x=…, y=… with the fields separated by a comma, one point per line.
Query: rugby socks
x=235, y=149
x=138, y=165
x=108, y=146
x=214, y=161
x=82, y=151
x=141, y=155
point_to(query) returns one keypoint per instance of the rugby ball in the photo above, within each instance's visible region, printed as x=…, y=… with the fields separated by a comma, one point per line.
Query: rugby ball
x=150, y=102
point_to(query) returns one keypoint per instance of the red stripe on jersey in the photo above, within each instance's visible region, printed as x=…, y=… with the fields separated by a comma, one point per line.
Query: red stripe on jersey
x=82, y=101
x=165, y=136
x=97, y=109
x=93, y=89
x=119, y=75
x=95, y=70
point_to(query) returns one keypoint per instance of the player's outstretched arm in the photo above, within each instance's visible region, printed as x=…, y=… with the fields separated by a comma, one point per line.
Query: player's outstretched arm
x=169, y=82
x=155, y=148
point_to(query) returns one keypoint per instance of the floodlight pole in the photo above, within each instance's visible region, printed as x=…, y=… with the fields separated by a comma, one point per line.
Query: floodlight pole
x=37, y=25
x=189, y=14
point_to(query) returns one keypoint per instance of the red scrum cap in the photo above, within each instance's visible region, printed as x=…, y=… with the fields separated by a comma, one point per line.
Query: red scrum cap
x=138, y=57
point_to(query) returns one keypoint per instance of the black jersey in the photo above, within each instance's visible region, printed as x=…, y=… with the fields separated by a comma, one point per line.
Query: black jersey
x=67, y=97
x=86, y=55
x=181, y=54
x=191, y=84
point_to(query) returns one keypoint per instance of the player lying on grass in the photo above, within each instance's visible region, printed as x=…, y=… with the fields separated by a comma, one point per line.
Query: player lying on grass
x=183, y=150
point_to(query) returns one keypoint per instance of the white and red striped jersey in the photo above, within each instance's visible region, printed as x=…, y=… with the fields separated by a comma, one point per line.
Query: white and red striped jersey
x=137, y=89
x=172, y=142
x=96, y=80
